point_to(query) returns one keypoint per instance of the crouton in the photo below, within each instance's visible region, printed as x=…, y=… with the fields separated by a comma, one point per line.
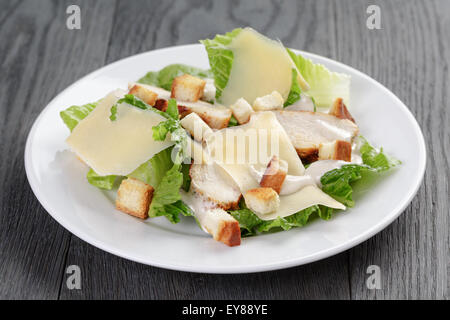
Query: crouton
x=210, y=181
x=161, y=104
x=198, y=129
x=209, y=92
x=187, y=88
x=215, y=116
x=273, y=101
x=241, y=110
x=336, y=150
x=145, y=94
x=222, y=226
x=134, y=197
x=262, y=200
x=275, y=174
x=308, y=155
x=339, y=110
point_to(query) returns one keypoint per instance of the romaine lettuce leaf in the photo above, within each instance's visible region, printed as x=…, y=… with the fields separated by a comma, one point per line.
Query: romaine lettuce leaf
x=251, y=224
x=165, y=76
x=152, y=171
x=220, y=58
x=338, y=183
x=375, y=159
x=166, y=197
x=102, y=182
x=167, y=193
x=296, y=91
x=74, y=114
x=325, y=86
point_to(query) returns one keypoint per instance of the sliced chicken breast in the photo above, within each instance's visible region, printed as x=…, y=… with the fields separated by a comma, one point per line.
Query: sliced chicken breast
x=307, y=130
x=212, y=182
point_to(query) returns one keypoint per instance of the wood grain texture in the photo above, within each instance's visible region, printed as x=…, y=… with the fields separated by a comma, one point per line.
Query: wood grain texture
x=39, y=57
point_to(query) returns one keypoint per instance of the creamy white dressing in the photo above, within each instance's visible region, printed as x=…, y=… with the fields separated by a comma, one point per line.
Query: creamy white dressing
x=305, y=103
x=199, y=205
x=317, y=169
x=312, y=175
x=336, y=132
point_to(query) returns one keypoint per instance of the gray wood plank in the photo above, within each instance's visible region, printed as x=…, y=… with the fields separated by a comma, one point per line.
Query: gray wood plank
x=180, y=22
x=410, y=56
x=39, y=57
x=104, y=276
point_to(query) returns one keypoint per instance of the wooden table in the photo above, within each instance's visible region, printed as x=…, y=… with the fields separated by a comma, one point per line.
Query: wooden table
x=39, y=57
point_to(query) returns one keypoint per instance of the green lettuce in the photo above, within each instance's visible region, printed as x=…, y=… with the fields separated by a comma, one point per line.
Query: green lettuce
x=102, y=182
x=374, y=158
x=251, y=224
x=338, y=182
x=325, y=86
x=220, y=58
x=165, y=76
x=166, y=197
x=152, y=171
x=74, y=114
x=295, y=92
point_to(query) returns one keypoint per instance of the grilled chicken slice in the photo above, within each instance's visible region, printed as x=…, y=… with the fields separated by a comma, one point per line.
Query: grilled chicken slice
x=307, y=130
x=213, y=220
x=211, y=193
x=212, y=182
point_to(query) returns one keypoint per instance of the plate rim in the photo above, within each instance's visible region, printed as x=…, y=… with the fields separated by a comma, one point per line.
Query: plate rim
x=283, y=264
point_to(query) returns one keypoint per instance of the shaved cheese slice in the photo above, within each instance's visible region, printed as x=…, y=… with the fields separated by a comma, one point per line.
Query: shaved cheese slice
x=116, y=147
x=241, y=173
x=255, y=143
x=305, y=198
x=260, y=66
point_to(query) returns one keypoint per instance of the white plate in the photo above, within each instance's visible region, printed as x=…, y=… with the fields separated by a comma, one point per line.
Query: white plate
x=58, y=181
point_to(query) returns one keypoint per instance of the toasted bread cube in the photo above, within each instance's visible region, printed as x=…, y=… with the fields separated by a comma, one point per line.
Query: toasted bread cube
x=198, y=128
x=262, y=200
x=145, y=94
x=216, y=116
x=275, y=174
x=209, y=92
x=241, y=110
x=273, y=101
x=339, y=110
x=161, y=105
x=336, y=150
x=134, y=197
x=222, y=226
x=187, y=88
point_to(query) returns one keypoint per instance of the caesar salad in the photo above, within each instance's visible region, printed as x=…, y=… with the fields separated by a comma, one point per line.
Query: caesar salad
x=262, y=141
